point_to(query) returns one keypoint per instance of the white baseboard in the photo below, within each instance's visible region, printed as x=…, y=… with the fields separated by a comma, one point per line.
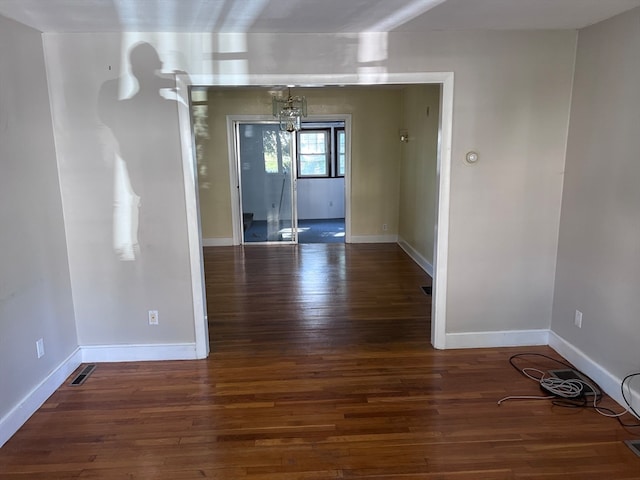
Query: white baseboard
x=506, y=338
x=13, y=420
x=217, y=242
x=416, y=256
x=606, y=380
x=374, y=239
x=137, y=353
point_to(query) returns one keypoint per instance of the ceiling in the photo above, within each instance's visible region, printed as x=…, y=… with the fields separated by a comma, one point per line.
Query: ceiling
x=308, y=16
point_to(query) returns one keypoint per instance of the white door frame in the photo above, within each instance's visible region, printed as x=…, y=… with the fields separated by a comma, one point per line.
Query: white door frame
x=441, y=244
x=234, y=174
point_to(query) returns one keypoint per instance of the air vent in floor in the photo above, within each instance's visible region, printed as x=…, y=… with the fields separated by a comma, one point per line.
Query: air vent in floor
x=83, y=375
x=634, y=445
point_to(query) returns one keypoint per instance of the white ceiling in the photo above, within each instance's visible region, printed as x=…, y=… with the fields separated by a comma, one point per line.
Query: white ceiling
x=307, y=16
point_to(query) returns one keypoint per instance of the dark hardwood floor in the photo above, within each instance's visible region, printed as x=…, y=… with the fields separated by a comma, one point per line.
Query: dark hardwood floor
x=321, y=368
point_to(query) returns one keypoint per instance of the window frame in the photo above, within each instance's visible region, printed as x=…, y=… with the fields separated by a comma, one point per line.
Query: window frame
x=337, y=132
x=328, y=151
x=333, y=129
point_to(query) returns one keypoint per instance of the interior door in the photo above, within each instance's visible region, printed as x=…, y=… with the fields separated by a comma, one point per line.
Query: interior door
x=266, y=175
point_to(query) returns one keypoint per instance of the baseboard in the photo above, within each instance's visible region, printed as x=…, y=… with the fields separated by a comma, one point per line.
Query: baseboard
x=17, y=417
x=217, y=242
x=374, y=239
x=606, y=380
x=416, y=256
x=137, y=353
x=505, y=338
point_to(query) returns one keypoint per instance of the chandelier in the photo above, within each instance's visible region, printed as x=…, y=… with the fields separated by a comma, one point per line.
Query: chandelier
x=289, y=111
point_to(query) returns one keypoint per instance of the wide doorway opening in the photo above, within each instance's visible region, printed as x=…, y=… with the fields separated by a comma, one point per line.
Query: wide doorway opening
x=291, y=185
x=437, y=260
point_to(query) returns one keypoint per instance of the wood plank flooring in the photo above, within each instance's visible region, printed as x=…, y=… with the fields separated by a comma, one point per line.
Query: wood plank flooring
x=321, y=368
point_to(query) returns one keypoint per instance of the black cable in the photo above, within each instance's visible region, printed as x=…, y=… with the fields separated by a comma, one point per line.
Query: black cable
x=628, y=402
x=559, y=362
x=583, y=403
x=593, y=385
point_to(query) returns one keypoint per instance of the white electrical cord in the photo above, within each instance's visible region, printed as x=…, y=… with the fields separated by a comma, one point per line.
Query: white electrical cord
x=524, y=397
x=559, y=388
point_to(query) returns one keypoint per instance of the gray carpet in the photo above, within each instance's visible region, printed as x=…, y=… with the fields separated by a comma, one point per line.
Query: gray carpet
x=329, y=230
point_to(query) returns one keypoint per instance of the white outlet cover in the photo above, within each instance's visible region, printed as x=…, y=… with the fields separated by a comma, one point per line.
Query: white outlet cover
x=40, y=348
x=578, y=319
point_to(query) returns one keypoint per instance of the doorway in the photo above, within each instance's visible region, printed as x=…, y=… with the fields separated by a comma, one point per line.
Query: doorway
x=321, y=162
x=266, y=182
x=289, y=188
x=444, y=79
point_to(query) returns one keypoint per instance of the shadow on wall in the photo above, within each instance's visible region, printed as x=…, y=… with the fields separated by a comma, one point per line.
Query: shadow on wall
x=148, y=185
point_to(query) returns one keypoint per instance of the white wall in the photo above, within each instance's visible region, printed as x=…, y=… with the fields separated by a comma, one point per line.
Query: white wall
x=320, y=198
x=511, y=104
x=599, y=248
x=35, y=290
x=104, y=119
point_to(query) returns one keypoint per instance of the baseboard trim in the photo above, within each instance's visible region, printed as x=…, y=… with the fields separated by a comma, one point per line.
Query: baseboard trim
x=606, y=380
x=217, y=242
x=374, y=239
x=416, y=256
x=17, y=417
x=505, y=338
x=138, y=353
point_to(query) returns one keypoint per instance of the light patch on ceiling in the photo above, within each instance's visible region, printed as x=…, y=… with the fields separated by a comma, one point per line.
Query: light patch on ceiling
x=402, y=15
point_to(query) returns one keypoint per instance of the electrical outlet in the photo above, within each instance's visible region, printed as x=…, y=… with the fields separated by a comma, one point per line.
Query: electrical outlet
x=40, y=348
x=384, y=227
x=577, y=320
x=153, y=317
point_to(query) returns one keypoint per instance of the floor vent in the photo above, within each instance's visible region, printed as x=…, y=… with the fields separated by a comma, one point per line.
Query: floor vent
x=427, y=290
x=634, y=445
x=83, y=375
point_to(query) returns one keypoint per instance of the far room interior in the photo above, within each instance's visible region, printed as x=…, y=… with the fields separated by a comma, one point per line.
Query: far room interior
x=378, y=116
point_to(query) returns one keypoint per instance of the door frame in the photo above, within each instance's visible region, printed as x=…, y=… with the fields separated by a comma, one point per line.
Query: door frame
x=441, y=243
x=234, y=174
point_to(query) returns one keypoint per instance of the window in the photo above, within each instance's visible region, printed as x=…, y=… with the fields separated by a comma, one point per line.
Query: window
x=313, y=153
x=321, y=150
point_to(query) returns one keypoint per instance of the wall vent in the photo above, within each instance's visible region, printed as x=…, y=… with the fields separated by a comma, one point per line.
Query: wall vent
x=83, y=375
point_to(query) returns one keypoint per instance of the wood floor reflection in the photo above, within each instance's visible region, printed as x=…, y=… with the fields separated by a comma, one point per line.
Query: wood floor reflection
x=315, y=297
x=321, y=368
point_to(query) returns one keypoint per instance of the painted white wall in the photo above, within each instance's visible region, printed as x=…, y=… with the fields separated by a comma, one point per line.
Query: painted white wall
x=511, y=104
x=598, y=269
x=35, y=289
x=104, y=120
x=320, y=198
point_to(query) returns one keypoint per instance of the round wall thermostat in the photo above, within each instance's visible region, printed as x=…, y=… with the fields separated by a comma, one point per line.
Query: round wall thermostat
x=472, y=157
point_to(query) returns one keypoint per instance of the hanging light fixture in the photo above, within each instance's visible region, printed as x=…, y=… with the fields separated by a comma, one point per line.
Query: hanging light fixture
x=289, y=111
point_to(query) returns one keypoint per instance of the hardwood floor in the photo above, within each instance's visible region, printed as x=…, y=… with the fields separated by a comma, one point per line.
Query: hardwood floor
x=320, y=368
